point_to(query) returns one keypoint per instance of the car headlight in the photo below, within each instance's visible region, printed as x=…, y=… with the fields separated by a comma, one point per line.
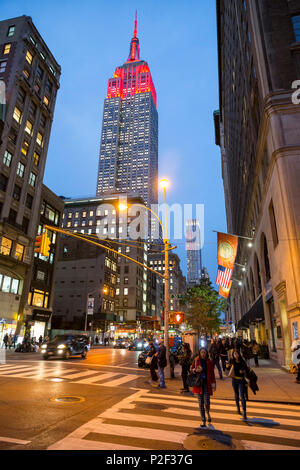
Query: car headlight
x=44, y=346
x=123, y=342
x=114, y=343
x=139, y=345
x=61, y=346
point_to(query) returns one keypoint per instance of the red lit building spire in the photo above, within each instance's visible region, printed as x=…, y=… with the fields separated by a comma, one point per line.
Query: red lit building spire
x=134, y=53
x=135, y=25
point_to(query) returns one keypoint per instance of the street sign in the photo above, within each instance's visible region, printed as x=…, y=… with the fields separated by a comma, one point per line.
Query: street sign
x=90, y=309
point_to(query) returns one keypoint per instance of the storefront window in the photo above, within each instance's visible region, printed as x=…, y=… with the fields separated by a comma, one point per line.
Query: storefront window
x=5, y=247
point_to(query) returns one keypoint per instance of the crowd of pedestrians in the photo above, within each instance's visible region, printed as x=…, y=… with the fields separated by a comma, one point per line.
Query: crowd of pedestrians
x=230, y=356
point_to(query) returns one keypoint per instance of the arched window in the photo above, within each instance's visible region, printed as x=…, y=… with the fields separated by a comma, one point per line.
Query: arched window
x=252, y=286
x=257, y=273
x=266, y=258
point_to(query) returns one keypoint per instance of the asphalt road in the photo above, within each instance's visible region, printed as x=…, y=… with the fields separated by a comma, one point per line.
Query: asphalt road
x=115, y=408
x=29, y=385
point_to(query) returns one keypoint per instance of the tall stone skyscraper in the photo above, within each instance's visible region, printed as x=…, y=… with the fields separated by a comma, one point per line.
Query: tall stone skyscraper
x=257, y=129
x=128, y=158
x=193, y=249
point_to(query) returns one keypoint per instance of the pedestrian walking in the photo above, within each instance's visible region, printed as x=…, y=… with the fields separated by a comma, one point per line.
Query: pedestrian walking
x=223, y=354
x=5, y=340
x=153, y=364
x=295, y=348
x=246, y=351
x=162, y=363
x=172, y=363
x=9, y=342
x=40, y=340
x=185, y=362
x=238, y=371
x=204, y=366
x=214, y=353
x=15, y=337
x=255, y=352
x=230, y=348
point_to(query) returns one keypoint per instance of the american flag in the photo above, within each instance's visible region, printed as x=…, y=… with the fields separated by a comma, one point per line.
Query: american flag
x=223, y=277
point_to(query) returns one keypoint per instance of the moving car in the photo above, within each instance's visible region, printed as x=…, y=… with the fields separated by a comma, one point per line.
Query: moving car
x=66, y=346
x=138, y=345
x=120, y=343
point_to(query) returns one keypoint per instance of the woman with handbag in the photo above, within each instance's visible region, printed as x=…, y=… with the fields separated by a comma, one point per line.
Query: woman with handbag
x=238, y=371
x=152, y=361
x=205, y=382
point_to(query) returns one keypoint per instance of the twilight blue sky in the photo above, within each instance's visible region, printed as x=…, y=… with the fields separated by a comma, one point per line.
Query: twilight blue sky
x=89, y=39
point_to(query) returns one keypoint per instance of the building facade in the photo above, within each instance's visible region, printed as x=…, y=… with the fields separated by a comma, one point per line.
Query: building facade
x=128, y=158
x=117, y=285
x=38, y=310
x=31, y=77
x=257, y=128
x=193, y=250
x=177, y=282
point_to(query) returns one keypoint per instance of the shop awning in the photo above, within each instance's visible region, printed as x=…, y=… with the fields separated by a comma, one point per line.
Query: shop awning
x=254, y=315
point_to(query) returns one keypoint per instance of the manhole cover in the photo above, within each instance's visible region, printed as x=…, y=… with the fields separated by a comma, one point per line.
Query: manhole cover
x=68, y=399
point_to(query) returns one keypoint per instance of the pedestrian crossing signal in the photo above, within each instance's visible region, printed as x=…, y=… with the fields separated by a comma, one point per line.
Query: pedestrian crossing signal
x=179, y=318
x=42, y=244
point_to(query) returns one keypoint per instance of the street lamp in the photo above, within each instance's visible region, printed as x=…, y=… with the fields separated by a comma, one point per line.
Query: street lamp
x=122, y=207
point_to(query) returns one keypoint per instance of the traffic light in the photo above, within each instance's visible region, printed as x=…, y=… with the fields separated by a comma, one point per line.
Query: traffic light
x=42, y=244
x=45, y=244
x=38, y=244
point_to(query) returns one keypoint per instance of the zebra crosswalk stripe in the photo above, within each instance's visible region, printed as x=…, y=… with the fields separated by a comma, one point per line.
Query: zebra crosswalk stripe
x=121, y=381
x=161, y=427
x=96, y=378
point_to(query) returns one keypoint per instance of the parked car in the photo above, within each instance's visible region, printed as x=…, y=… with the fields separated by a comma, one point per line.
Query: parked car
x=138, y=345
x=65, y=346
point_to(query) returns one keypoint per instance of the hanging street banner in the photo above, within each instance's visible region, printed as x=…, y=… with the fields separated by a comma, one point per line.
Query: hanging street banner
x=227, y=249
x=225, y=292
x=90, y=306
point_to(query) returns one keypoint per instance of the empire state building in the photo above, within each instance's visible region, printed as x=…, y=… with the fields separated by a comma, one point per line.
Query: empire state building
x=128, y=158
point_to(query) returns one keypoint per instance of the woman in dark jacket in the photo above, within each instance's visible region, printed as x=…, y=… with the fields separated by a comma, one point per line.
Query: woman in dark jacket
x=185, y=362
x=238, y=371
x=204, y=366
x=153, y=364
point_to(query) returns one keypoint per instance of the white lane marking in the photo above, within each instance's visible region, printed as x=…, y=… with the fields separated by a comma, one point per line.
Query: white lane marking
x=19, y=373
x=43, y=373
x=243, y=429
x=99, y=427
x=79, y=374
x=250, y=408
x=26, y=374
x=225, y=401
x=122, y=380
x=13, y=368
x=13, y=441
x=236, y=417
x=97, y=378
x=136, y=369
x=72, y=443
x=75, y=439
x=256, y=445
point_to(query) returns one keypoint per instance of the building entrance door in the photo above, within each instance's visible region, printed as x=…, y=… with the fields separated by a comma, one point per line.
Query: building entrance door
x=285, y=332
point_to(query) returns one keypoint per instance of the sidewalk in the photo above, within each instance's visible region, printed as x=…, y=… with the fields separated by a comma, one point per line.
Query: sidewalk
x=274, y=382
